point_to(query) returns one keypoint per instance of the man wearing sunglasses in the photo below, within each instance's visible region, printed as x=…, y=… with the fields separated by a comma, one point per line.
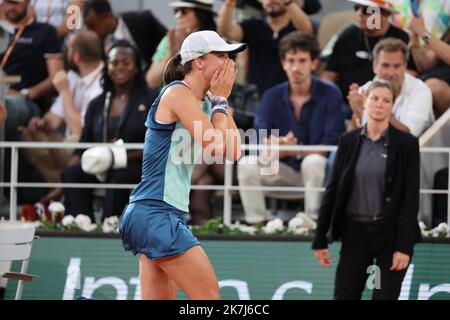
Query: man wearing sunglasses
x=263, y=37
x=351, y=58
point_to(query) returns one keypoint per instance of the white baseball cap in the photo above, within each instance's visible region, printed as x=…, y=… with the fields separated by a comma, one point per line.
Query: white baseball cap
x=199, y=43
x=98, y=160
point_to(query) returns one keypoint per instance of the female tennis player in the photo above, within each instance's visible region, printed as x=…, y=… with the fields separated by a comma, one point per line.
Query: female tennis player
x=191, y=107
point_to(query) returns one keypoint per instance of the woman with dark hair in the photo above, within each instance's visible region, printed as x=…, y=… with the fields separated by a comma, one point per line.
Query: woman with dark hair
x=371, y=203
x=191, y=16
x=191, y=113
x=118, y=116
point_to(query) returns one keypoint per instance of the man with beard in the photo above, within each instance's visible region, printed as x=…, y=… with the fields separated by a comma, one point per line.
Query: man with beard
x=306, y=111
x=76, y=89
x=263, y=36
x=34, y=53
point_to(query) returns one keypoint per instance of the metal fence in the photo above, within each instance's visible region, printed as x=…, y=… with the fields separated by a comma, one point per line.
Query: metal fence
x=227, y=187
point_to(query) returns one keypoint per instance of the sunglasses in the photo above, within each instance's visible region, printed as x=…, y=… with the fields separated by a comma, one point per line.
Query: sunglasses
x=369, y=10
x=182, y=11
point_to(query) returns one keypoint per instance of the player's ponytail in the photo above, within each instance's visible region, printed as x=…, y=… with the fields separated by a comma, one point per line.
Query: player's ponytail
x=174, y=70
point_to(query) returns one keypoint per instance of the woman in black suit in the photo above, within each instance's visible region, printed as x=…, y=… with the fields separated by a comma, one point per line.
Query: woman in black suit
x=371, y=203
x=118, y=113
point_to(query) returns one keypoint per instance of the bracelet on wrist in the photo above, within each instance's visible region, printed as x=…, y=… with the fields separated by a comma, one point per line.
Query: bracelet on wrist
x=219, y=110
x=218, y=100
x=219, y=104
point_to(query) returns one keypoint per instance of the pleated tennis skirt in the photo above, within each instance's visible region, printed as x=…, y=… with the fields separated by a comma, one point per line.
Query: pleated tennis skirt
x=156, y=229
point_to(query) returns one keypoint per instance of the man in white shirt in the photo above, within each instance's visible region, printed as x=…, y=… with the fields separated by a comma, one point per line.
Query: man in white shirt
x=413, y=108
x=76, y=90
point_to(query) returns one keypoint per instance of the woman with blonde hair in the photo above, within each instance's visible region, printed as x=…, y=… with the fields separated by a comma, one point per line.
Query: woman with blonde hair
x=371, y=203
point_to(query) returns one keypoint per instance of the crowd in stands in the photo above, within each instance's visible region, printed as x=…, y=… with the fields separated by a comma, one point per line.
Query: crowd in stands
x=96, y=83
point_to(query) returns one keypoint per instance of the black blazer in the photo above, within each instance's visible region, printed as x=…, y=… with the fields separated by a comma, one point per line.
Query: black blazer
x=131, y=124
x=402, y=185
x=146, y=30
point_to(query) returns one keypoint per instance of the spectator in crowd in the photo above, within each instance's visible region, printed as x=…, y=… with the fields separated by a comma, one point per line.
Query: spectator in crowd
x=6, y=26
x=306, y=111
x=371, y=203
x=118, y=114
x=351, y=58
x=433, y=62
x=34, y=53
x=140, y=28
x=55, y=13
x=436, y=15
x=413, y=108
x=76, y=89
x=263, y=37
x=191, y=16
x=253, y=8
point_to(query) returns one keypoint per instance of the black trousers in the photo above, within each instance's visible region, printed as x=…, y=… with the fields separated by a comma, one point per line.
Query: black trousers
x=81, y=200
x=364, y=245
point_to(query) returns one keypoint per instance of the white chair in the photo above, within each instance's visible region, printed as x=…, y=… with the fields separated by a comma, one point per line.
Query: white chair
x=16, y=239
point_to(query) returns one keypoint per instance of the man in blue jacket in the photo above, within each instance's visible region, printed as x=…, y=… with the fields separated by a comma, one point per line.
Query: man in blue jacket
x=305, y=110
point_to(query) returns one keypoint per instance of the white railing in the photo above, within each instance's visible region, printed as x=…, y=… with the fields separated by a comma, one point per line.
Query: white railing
x=227, y=188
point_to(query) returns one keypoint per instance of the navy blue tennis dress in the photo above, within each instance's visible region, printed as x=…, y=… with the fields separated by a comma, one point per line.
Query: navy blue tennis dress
x=155, y=221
